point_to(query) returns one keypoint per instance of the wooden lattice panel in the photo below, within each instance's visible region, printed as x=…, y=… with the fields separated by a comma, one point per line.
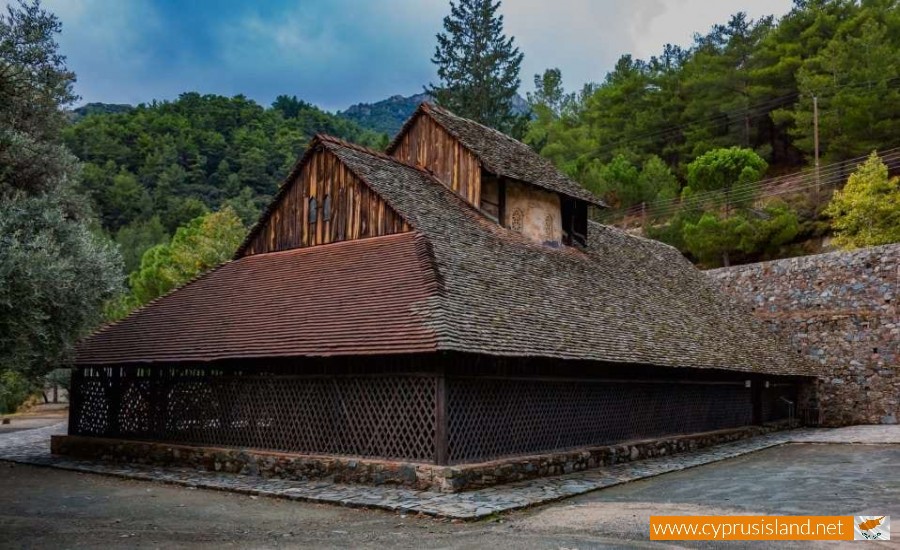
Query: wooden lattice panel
x=94, y=406
x=368, y=416
x=492, y=418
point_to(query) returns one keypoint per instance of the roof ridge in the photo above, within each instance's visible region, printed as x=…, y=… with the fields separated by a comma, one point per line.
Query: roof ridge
x=328, y=138
x=325, y=246
x=395, y=141
x=374, y=152
x=448, y=112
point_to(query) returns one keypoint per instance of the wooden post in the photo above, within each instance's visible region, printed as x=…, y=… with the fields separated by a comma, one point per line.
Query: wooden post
x=114, y=398
x=756, y=390
x=75, y=383
x=816, y=145
x=441, y=432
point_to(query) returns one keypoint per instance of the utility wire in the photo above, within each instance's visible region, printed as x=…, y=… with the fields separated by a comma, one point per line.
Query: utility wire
x=754, y=111
x=828, y=176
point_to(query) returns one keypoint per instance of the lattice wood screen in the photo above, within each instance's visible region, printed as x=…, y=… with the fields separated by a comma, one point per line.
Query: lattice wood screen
x=395, y=415
x=494, y=418
x=375, y=416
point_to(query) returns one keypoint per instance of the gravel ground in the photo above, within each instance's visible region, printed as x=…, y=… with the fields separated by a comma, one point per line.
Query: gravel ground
x=47, y=508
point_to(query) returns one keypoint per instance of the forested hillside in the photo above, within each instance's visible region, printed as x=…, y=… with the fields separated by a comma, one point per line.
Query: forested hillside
x=387, y=115
x=155, y=167
x=736, y=105
x=745, y=84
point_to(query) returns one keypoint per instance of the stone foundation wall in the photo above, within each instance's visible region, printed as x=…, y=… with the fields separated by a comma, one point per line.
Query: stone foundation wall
x=840, y=309
x=377, y=472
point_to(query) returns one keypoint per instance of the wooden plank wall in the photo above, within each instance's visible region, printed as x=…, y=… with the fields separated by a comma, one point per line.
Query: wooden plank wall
x=356, y=211
x=428, y=145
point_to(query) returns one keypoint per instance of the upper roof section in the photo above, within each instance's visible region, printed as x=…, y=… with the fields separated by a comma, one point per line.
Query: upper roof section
x=455, y=282
x=500, y=154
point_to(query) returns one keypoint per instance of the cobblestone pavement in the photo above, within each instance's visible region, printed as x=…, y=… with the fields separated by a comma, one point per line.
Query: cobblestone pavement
x=32, y=447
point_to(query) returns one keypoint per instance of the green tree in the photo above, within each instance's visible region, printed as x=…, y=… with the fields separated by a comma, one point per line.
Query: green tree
x=194, y=154
x=750, y=234
x=657, y=182
x=202, y=244
x=731, y=171
x=135, y=238
x=477, y=65
x=713, y=238
x=124, y=201
x=855, y=78
x=55, y=271
x=799, y=35
x=246, y=205
x=14, y=390
x=718, y=80
x=55, y=275
x=617, y=182
x=866, y=212
x=769, y=230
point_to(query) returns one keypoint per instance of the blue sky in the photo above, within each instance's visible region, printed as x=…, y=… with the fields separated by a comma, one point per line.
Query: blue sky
x=338, y=52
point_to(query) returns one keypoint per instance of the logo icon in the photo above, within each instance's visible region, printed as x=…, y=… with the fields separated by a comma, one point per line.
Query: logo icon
x=871, y=527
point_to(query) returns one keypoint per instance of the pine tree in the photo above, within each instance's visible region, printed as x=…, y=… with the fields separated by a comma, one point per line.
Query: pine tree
x=478, y=66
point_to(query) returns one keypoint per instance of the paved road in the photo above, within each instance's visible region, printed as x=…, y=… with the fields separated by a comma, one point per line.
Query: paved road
x=45, y=415
x=42, y=508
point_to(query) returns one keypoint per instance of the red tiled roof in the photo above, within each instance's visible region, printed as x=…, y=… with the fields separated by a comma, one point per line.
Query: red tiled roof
x=369, y=296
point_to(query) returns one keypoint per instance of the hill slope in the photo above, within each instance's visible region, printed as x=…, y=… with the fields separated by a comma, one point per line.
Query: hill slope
x=388, y=115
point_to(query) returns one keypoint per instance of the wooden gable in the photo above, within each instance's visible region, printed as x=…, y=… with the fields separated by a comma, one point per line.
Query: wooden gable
x=324, y=203
x=427, y=144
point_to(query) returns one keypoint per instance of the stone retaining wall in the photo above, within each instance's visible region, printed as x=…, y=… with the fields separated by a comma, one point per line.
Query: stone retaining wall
x=841, y=310
x=447, y=479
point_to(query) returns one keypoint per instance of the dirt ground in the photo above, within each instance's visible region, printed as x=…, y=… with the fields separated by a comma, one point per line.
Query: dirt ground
x=47, y=508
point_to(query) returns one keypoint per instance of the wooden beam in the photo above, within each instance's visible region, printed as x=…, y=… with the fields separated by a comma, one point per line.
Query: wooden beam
x=441, y=432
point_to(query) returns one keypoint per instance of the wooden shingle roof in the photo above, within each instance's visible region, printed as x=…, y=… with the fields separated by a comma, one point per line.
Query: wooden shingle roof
x=622, y=299
x=458, y=282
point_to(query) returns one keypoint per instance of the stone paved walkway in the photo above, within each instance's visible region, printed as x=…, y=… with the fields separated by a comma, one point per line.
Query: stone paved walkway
x=32, y=447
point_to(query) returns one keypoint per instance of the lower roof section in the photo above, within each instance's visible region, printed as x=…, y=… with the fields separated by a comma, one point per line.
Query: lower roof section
x=361, y=297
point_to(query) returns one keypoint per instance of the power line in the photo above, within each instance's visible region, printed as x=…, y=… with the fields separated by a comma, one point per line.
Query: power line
x=829, y=175
x=754, y=111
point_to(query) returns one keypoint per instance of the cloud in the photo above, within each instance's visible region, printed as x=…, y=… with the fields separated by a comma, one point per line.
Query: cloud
x=585, y=38
x=343, y=51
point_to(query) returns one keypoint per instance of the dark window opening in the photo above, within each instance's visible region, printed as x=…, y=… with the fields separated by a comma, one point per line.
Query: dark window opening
x=574, y=221
x=490, y=197
x=326, y=208
x=313, y=210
